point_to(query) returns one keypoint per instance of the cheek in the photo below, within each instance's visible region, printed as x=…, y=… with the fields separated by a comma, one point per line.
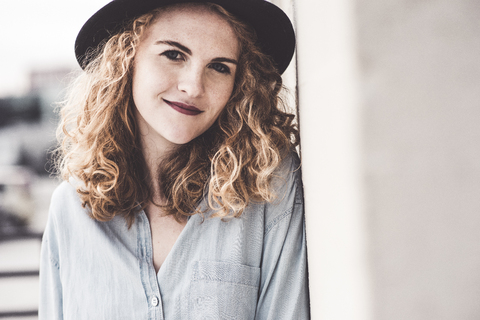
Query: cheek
x=140, y=82
x=150, y=79
x=223, y=94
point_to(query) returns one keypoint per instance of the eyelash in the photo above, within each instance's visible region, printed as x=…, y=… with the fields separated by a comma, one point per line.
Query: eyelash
x=223, y=68
x=219, y=67
x=168, y=53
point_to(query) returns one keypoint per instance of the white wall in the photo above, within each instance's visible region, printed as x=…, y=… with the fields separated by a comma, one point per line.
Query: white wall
x=330, y=132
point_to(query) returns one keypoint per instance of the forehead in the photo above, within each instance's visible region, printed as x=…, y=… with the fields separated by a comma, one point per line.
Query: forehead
x=192, y=22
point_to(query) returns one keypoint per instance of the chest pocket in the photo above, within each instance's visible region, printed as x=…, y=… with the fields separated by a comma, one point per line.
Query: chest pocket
x=225, y=291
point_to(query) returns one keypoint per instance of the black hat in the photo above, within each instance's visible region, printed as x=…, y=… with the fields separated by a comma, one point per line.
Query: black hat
x=276, y=37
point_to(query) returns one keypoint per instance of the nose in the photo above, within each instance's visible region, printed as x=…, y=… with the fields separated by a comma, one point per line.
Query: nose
x=191, y=81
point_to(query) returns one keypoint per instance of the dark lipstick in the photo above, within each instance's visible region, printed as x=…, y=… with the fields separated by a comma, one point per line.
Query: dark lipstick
x=184, y=108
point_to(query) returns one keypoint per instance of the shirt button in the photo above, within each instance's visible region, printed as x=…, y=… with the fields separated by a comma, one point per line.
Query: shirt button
x=154, y=301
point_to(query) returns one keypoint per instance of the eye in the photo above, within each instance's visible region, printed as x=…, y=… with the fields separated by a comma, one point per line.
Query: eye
x=173, y=55
x=220, y=67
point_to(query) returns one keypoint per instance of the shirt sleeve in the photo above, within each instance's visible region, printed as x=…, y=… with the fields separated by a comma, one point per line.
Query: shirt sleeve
x=284, y=278
x=50, y=307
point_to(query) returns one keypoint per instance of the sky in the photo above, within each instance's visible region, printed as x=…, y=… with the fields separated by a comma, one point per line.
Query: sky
x=38, y=35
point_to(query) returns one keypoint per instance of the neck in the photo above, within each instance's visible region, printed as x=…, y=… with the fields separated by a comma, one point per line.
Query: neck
x=154, y=153
x=154, y=149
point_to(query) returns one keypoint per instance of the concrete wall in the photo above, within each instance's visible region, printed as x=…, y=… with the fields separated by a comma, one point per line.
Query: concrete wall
x=389, y=100
x=420, y=101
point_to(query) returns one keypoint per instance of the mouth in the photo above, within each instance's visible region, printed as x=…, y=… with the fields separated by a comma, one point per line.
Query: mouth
x=184, y=108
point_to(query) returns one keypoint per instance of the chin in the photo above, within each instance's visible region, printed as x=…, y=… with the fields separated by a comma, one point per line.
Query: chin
x=182, y=140
x=179, y=138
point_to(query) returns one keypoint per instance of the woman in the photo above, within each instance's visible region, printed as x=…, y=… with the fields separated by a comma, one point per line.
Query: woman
x=183, y=197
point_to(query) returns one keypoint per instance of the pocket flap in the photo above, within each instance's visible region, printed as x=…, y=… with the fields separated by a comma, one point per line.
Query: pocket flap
x=226, y=272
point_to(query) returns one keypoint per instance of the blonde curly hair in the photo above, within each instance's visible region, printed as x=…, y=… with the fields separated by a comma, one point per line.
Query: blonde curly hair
x=231, y=164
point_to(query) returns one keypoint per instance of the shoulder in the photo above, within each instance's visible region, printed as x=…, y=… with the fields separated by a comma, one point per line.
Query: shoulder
x=66, y=205
x=290, y=165
x=287, y=177
x=64, y=215
x=286, y=184
x=65, y=193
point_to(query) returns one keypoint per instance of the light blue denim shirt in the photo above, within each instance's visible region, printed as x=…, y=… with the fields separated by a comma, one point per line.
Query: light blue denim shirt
x=252, y=267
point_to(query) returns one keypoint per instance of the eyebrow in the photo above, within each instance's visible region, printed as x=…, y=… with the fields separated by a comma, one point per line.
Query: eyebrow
x=175, y=44
x=188, y=51
x=225, y=60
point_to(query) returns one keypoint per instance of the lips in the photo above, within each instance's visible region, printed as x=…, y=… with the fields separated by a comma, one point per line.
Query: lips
x=184, y=108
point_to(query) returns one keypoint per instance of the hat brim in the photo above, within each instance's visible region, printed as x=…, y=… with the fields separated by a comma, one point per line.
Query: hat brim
x=275, y=33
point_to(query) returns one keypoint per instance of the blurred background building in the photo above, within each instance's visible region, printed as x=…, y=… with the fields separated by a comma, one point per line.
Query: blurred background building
x=37, y=62
x=27, y=139
x=389, y=105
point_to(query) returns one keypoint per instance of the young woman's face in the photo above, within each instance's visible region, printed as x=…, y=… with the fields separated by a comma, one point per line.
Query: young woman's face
x=184, y=74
